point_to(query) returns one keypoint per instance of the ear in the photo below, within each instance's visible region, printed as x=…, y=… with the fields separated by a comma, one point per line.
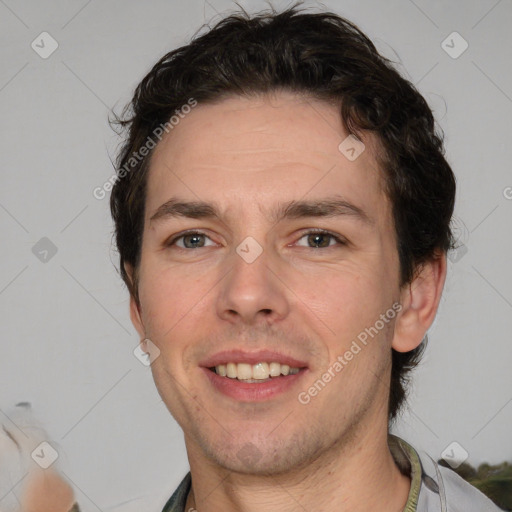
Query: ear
x=420, y=300
x=135, y=314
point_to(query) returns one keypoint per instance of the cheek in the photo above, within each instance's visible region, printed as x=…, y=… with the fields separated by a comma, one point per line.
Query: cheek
x=347, y=303
x=352, y=291
x=168, y=297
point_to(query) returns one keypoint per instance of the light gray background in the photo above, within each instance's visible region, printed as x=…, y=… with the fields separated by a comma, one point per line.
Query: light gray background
x=66, y=336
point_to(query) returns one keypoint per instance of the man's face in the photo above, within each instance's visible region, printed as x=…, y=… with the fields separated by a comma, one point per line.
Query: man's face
x=210, y=298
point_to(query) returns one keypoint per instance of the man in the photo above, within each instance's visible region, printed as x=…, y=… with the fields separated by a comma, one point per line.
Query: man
x=282, y=215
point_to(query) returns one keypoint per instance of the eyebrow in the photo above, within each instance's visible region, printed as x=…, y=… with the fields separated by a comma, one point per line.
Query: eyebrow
x=327, y=207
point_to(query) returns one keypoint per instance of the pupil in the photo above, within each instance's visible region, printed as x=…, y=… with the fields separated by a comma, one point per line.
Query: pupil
x=314, y=238
x=195, y=239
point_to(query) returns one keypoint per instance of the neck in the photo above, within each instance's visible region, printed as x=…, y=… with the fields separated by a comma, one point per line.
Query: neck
x=354, y=475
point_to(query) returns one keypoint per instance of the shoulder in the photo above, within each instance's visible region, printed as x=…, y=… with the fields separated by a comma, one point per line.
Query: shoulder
x=449, y=490
x=178, y=500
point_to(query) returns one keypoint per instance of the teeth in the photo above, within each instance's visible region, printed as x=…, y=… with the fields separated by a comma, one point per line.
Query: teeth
x=231, y=370
x=244, y=371
x=260, y=371
x=275, y=369
x=256, y=372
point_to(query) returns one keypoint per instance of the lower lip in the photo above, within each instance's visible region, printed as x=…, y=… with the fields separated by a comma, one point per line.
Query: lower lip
x=256, y=392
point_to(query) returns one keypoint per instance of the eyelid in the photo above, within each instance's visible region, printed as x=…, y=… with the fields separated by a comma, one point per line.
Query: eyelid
x=336, y=236
x=307, y=231
x=171, y=241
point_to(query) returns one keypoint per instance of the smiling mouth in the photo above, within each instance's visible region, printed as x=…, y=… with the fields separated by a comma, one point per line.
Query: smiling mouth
x=254, y=373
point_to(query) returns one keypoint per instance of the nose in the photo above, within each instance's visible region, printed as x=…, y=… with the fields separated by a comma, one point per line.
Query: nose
x=253, y=292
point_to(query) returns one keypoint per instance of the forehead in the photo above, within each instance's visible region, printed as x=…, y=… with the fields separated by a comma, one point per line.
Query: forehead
x=269, y=148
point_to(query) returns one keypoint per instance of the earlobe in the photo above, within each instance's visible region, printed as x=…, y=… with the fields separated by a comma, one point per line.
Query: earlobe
x=135, y=317
x=420, y=300
x=135, y=313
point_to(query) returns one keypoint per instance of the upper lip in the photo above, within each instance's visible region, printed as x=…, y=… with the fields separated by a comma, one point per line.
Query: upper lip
x=242, y=356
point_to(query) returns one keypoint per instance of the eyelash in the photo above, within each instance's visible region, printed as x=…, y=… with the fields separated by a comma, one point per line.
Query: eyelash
x=340, y=240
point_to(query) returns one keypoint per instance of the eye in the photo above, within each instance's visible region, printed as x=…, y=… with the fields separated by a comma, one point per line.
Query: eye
x=190, y=240
x=321, y=239
x=315, y=239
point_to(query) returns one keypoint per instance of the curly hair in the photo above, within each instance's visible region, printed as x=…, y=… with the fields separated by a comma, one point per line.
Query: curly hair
x=328, y=58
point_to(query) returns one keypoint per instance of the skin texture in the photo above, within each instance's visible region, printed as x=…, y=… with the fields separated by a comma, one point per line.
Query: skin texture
x=46, y=491
x=305, y=301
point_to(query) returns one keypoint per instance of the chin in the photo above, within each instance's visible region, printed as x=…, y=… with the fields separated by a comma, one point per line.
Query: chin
x=260, y=456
